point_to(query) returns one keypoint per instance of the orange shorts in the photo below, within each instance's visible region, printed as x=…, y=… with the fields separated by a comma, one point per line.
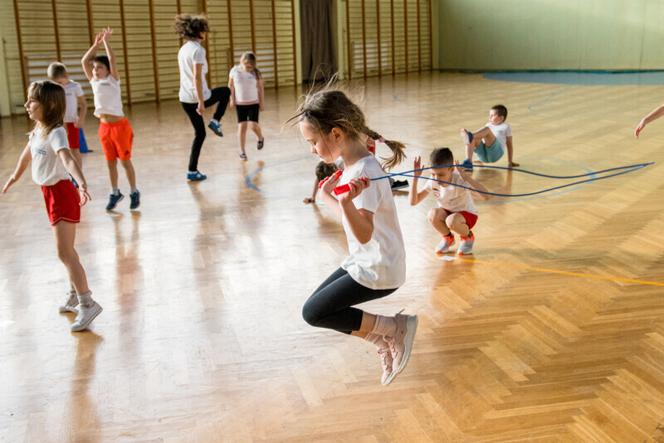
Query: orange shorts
x=116, y=139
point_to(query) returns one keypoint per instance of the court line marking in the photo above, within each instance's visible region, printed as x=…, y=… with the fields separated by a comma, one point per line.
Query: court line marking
x=615, y=279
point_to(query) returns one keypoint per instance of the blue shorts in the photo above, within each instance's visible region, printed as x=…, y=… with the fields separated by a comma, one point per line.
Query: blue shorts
x=490, y=154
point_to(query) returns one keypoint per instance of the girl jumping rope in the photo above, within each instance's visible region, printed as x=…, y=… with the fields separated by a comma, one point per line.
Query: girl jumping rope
x=51, y=162
x=246, y=85
x=376, y=265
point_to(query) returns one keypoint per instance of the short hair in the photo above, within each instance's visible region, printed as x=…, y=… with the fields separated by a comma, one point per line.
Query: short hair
x=103, y=59
x=56, y=70
x=501, y=110
x=441, y=157
x=324, y=170
x=191, y=26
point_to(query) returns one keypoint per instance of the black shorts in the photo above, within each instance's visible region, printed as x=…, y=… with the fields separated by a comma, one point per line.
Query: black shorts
x=247, y=113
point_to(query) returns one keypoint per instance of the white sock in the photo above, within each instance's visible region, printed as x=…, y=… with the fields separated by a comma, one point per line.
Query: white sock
x=385, y=326
x=215, y=121
x=85, y=299
x=116, y=191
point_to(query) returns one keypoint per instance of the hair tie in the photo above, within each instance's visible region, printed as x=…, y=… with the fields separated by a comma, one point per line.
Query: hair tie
x=381, y=139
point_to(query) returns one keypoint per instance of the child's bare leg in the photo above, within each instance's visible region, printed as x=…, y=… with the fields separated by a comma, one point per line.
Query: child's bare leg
x=113, y=173
x=257, y=130
x=131, y=173
x=65, y=235
x=242, y=134
x=437, y=218
x=482, y=135
x=457, y=223
x=367, y=325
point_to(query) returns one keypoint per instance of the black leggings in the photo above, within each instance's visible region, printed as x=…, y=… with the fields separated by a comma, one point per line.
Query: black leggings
x=330, y=305
x=221, y=95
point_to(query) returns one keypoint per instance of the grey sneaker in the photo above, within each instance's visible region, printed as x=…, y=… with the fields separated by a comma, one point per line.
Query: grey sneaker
x=85, y=316
x=70, y=304
x=401, y=345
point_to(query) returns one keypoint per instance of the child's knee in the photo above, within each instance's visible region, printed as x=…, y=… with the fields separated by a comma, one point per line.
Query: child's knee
x=454, y=220
x=436, y=214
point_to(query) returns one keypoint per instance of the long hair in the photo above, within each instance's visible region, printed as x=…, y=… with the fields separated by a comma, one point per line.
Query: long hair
x=191, y=26
x=250, y=58
x=51, y=97
x=331, y=108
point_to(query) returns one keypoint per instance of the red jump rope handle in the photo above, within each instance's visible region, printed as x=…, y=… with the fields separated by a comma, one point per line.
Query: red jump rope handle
x=336, y=175
x=346, y=188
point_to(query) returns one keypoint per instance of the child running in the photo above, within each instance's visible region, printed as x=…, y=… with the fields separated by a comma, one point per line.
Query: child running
x=115, y=133
x=76, y=109
x=376, y=266
x=491, y=141
x=247, y=95
x=456, y=211
x=51, y=162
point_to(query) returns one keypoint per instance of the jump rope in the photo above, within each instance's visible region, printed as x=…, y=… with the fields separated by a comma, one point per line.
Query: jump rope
x=616, y=171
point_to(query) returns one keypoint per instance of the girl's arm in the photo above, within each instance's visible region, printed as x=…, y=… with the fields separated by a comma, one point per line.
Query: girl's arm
x=75, y=170
x=23, y=162
x=109, y=52
x=261, y=94
x=86, y=61
x=198, y=83
x=231, y=86
x=654, y=115
x=360, y=221
x=413, y=196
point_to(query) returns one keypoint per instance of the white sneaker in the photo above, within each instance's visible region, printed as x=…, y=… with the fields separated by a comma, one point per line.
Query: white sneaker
x=70, y=304
x=401, y=344
x=85, y=316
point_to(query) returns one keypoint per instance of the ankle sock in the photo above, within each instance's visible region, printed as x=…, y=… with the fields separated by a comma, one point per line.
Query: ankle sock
x=85, y=299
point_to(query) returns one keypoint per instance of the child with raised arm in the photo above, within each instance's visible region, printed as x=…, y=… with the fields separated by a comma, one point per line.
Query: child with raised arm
x=52, y=161
x=115, y=132
x=456, y=211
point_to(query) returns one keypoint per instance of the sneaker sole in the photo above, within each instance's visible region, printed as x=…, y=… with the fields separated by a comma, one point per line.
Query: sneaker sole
x=85, y=325
x=64, y=310
x=411, y=328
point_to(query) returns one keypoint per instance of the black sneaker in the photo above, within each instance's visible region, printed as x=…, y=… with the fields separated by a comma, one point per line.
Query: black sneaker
x=135, y=200
x=216, y=128
x=113, y=200
x=399, y=184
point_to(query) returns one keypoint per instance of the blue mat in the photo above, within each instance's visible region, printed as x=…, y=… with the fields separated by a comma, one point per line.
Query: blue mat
x=581, y=78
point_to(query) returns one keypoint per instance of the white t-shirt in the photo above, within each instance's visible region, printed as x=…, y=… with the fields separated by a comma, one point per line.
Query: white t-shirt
x=501, y=132
x=246, y=86
x=381, y=262
x=190, y=54
x=47, y=169
x=108, y=96
x=453, y=198
x=72, y=92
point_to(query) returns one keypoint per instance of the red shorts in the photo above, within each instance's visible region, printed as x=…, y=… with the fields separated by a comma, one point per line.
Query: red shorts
x=470, y=218
x=116, y=139
x=62, y=202
x=73, y=136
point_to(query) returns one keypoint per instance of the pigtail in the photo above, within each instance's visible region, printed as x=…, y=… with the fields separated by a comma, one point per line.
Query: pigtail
x=396, y=147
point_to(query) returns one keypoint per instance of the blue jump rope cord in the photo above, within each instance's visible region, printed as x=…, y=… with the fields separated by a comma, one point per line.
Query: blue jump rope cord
x=622, y=169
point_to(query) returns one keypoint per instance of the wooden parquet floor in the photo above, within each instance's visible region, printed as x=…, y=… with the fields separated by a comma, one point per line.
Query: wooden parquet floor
x=553, y=331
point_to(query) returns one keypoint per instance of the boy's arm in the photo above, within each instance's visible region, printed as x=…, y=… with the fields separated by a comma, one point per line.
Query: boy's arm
x=414, y=196
x=21, y=166
x=82, y=110
x=86, y=61
x=111, y=55
x=653, y=115
x=510, y=152
x=477, y=185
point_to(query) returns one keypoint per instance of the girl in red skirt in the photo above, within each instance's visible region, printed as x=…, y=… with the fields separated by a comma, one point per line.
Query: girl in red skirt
x=51, y=161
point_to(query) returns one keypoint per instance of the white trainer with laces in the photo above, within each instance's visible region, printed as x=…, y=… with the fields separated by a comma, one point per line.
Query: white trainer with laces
x=85, y=316
x=71, y=304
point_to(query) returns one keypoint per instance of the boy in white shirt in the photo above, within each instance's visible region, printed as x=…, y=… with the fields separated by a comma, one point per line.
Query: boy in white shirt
x=456, y=210
x=491, y=141
x=76, y=109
